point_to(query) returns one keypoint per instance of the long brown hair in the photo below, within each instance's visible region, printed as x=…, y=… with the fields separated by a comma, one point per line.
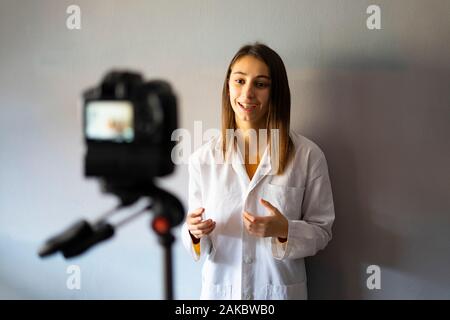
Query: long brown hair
x=279, y=112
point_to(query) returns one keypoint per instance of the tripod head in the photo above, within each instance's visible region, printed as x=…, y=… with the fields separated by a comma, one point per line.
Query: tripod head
x=82, y=235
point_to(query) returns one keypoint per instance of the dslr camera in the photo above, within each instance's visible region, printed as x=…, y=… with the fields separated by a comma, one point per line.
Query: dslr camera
x=128, y=125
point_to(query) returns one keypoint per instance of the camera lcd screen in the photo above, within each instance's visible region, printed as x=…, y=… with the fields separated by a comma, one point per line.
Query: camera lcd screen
x=109, y=121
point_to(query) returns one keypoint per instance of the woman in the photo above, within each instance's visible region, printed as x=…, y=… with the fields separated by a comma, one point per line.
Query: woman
x=258, y=213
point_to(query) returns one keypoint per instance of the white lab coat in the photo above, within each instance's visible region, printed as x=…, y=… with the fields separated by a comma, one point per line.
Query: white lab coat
x=241, y=266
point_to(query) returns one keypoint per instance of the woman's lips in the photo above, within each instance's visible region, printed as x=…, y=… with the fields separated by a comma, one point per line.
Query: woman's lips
x=247, y=107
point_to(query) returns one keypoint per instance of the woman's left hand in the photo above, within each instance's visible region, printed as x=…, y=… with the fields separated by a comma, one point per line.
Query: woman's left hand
x=273, y=225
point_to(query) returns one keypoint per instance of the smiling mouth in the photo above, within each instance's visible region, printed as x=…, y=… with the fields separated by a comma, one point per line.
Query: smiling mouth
x=247, y=107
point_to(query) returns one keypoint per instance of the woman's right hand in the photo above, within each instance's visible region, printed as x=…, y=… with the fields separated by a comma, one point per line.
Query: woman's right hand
x=197, y=227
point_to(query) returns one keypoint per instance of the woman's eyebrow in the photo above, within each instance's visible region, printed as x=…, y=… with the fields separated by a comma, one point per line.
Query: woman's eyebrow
x=260, y=76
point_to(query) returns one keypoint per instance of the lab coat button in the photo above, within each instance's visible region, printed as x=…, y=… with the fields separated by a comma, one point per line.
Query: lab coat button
x=248, y=260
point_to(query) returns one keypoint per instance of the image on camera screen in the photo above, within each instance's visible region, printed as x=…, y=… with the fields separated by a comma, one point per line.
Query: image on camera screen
x=109, y=121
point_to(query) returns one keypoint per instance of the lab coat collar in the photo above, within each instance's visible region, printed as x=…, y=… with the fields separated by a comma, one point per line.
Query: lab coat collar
x=238, y=164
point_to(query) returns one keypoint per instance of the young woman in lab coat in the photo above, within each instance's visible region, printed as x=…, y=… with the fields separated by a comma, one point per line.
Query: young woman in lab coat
x=258, y=213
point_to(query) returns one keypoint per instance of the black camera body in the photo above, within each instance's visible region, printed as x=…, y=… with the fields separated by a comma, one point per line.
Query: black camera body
x=128, y=125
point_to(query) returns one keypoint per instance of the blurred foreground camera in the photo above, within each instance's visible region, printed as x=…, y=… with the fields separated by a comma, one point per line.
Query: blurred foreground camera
x=127, y=127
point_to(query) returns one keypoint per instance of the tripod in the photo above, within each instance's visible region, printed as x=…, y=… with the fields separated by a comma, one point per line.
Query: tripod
x=168, y=213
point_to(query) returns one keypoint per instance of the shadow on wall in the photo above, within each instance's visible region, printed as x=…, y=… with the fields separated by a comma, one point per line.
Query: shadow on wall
x=385, y=133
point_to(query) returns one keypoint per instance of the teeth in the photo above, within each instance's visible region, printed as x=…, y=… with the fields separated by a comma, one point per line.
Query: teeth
x=247, y=106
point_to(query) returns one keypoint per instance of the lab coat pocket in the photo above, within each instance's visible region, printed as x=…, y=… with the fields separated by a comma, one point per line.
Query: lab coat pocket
x=215, y=292
x=297, y=291
x=288, y=200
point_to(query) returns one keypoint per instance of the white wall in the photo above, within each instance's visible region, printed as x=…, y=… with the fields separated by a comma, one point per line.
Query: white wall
x=377, y=102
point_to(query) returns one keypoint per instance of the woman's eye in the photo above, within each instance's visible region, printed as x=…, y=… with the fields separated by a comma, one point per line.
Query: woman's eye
x=257, y=84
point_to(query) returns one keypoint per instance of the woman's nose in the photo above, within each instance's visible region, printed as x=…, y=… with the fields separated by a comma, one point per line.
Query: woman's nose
x=248, y=91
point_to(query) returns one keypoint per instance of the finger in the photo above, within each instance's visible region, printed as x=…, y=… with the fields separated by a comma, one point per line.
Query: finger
x=248, y=228
x=256, y=231
x=253, y=231
x=252, y=226
x=255, y=226
x=257, y=219
x=201, y=233
x=197, y=212
x=246, y=223
x=247, y=219
x=266, y=204
x=203, y=225
x=195, y=217
x=195, y=220
x=263, y=220
x=206, y=232
x=249, y=216
x=269, y=206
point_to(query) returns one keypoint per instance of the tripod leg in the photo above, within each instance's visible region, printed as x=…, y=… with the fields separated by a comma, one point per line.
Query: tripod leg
x=167, y=241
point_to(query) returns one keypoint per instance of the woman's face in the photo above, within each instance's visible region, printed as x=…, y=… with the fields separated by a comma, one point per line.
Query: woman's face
x=249, y=88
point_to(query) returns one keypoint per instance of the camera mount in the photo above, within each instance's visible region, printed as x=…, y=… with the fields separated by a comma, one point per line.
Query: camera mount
x=167, y=213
